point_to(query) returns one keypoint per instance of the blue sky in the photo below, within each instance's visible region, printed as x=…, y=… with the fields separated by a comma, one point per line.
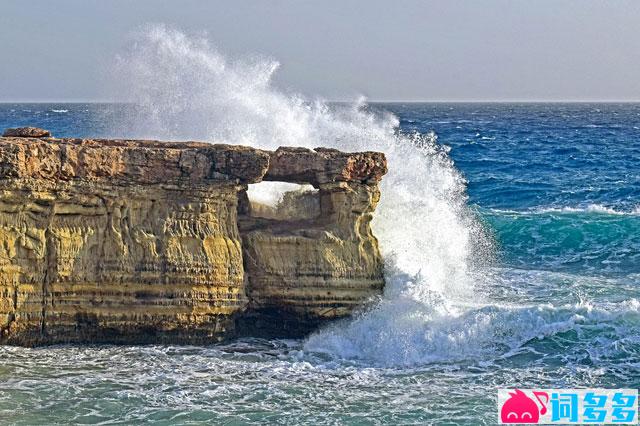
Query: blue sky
x=387, y=50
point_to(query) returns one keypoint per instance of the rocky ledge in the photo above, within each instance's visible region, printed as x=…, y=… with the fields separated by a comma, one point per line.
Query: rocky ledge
x=129, y=241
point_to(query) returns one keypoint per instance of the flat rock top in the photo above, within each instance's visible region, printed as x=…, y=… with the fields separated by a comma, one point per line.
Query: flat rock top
x=23, y=155
x=27, y=132
x=324, y=165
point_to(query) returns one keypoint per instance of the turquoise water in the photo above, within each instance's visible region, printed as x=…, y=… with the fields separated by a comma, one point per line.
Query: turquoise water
x=552, y=298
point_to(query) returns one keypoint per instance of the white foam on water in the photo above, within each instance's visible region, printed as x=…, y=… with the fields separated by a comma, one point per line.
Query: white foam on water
x=487, y=331
x=589, y=208
x=185, y=89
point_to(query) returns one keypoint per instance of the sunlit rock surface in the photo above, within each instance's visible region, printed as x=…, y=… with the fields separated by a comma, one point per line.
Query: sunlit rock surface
x=319, y=260
x=143, y=241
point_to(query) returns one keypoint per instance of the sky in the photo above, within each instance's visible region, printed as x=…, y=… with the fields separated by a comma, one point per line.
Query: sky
x=404, y=50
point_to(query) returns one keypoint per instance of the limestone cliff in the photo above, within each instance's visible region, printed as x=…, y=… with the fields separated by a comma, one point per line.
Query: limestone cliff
x=146, y=241
x=320, y=260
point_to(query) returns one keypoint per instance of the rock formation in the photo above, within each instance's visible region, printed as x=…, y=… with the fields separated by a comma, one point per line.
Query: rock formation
x=128, y=241
x=27, y=132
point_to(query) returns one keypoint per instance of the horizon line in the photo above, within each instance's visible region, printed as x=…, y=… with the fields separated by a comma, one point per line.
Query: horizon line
x=390, y=101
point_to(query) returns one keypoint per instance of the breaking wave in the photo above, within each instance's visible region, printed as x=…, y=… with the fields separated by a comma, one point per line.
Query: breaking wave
x=186, y=89
x=434, y=246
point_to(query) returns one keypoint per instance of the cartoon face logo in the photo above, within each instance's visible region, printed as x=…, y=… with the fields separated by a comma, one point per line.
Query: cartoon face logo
x=519, y=408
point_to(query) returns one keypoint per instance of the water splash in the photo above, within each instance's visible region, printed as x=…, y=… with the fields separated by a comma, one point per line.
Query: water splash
x=185, y=89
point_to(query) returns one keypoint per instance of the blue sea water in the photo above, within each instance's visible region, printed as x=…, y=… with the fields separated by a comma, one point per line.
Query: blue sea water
x=559, y=183
x=556, y=186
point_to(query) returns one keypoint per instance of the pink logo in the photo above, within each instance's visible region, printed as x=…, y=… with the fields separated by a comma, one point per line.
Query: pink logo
x=519, y=408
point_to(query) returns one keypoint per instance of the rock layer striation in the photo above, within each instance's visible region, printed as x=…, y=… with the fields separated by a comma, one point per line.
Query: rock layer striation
x=127, y=241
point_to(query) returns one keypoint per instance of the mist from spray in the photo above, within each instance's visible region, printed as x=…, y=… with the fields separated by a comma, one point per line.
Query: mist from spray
x=184, y=89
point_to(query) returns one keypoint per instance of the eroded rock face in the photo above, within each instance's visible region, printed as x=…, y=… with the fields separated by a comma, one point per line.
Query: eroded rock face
x=139, y=241
x=304, y=272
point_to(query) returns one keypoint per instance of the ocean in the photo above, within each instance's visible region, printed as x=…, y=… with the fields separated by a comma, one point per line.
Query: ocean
x=512, y=240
